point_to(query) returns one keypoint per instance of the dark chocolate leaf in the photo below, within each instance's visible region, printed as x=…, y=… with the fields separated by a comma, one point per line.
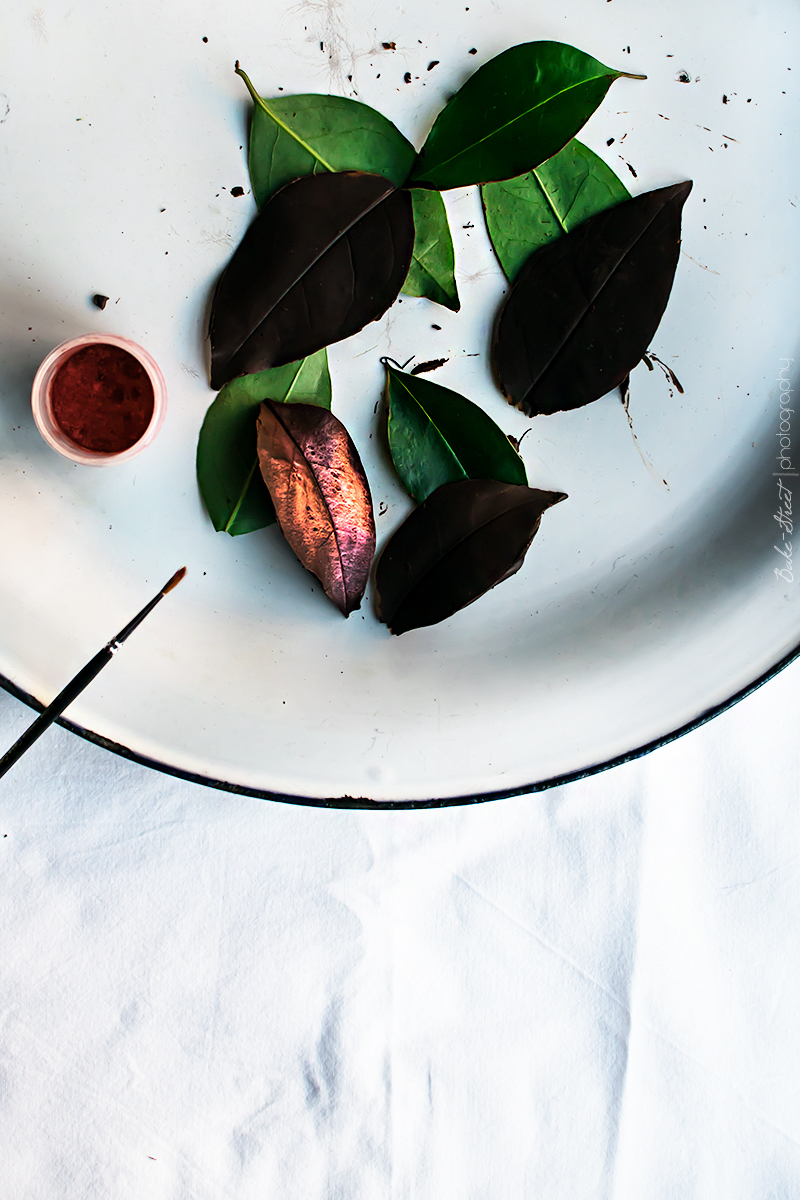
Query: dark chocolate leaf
x=293, y=136
x=321, y=496
x=227, y=460
x=584, y=308
x=464, y=539
x=431, y=271
x=327, y=255
x=437, y=436
x=525, y=213
x=517, y=110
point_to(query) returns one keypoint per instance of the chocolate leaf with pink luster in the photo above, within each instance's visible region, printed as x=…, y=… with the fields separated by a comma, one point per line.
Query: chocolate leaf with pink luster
x=464, y=539
x=327, y=254
x=584, y=308
x=321, y=496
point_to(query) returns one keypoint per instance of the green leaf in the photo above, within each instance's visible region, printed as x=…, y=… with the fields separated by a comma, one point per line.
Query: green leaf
x=293, y=136
x=227, y=462
x=523, y=214
x=431, y=271
x=517, y=110
x=437, y=436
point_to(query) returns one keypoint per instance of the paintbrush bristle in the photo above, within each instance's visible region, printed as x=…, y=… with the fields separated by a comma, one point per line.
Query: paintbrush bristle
x=176, y=578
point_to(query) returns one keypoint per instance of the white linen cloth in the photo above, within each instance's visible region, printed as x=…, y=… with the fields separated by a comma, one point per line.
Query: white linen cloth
x=587, y=993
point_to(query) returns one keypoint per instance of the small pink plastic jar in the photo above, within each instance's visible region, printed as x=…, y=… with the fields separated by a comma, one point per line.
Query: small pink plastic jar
x=42, y=406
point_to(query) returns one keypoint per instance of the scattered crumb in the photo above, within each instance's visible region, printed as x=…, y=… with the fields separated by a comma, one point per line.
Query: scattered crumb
x=389, y=45
x=237, y=191
x=407, y=77
x=433, y=364
x=99, y=301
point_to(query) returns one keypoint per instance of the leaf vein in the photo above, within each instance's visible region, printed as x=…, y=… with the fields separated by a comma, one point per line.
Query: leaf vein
x=549, y=200
x=591, y=301
x=520, y=116
x=432, y=422
x=261, y=102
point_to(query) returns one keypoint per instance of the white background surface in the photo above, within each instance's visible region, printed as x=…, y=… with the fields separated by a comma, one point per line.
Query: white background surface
x=583, y=994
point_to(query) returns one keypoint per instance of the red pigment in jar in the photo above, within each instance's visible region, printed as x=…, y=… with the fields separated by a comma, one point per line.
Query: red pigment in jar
x=102, y=398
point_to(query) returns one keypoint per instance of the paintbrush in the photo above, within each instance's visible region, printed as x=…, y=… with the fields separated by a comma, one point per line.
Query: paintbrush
x=82, y=679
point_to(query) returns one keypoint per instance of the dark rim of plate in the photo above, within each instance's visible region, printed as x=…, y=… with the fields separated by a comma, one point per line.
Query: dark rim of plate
x=361, y=802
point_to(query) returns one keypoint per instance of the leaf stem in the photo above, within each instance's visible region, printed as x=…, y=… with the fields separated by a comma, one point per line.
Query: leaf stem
x=627, y=75
x=259, y=100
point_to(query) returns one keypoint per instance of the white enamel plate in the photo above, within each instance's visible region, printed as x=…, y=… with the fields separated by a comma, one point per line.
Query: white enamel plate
x=652, y=596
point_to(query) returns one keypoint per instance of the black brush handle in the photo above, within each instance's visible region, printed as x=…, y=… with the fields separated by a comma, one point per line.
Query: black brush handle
x=55, y=709
x=82, y=679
